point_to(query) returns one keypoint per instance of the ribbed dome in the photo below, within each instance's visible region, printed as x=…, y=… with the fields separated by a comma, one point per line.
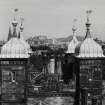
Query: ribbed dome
x=89, y=48
x=14, y=49
x=72, y=45
x=74, y=42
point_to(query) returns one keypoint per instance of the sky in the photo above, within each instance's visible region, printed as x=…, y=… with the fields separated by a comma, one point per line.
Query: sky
x=53, y=18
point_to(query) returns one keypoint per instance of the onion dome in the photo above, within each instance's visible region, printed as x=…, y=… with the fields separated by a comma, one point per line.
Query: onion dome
x=72, y=45
x=89, y=48
x=14, y=48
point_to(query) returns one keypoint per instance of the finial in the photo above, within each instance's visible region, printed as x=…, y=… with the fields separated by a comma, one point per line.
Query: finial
x=21, y=26
x=15, y=11
x=22, y=19
x=14, y=22
x=88, y=35
x=74, y=27
x=88, y=15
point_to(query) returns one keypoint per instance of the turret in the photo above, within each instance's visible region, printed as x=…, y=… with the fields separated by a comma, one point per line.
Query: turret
x=13, y=62
x=89, y=48
x=89, y=69
x=74, y=42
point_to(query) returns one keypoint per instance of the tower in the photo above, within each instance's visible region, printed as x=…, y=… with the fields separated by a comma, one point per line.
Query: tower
x=13, y=68
x=90, y=62
x=68, y=71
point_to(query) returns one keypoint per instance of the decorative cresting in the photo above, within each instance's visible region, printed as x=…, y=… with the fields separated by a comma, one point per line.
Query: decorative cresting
x=72, y=45
x=25, y=44
x=14, y=48
x=89, y=48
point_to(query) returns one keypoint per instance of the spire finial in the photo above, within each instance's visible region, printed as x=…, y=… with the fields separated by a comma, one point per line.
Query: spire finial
x=15, y=11
x=14, y=23
x=74, y=27
x=88, y=15
x=88, y=35
x=21, y=26
x=22, y=19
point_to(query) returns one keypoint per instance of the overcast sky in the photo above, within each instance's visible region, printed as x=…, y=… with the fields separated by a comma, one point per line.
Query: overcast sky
x=53, y=18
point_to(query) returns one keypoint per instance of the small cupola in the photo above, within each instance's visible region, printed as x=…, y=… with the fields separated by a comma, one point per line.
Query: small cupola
x=14, y=48
x=89, y=48
x=74, y=42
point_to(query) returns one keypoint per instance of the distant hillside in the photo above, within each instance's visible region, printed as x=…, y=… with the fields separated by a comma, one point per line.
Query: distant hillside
x=69, y=38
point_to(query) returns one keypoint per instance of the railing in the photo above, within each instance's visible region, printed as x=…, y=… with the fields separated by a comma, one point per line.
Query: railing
x=38, y=75
x=51, y=94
